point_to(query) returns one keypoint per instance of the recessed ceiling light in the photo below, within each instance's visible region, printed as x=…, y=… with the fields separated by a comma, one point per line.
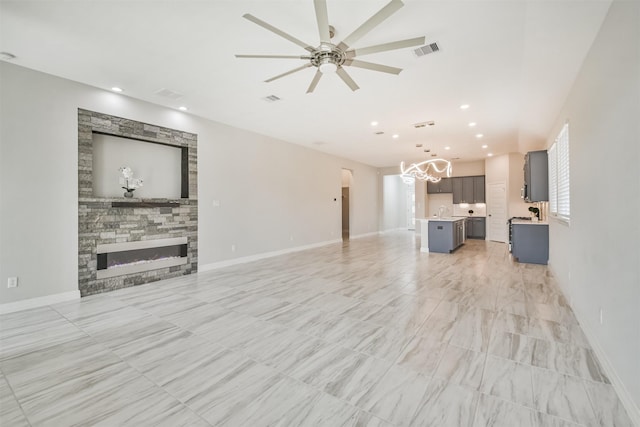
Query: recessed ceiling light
x=427, y=150
x=447, y=148
x=395, y=136
x=418, y=145
x=374, y=123
x=479, y=135
x=182, y=108
x=485, y=146
x=116, y=89
x=490, y=155
x=464, y=106
x=472, y=124
x=379, y=133
x=434, y=155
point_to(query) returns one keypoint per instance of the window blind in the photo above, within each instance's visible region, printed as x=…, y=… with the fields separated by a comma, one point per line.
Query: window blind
x=553, y=180
x=564, y=205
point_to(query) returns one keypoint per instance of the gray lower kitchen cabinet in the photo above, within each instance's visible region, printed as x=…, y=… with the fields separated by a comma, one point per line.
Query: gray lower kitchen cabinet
x=476, y=228
x=530, y=243
x=445, y=236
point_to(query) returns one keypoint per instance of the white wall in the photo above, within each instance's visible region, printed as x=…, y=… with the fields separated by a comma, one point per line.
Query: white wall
x=596, y=258
x=273, y=195
x=394, y=203
x=508, y=168
x=516, y=206
x=468, y=168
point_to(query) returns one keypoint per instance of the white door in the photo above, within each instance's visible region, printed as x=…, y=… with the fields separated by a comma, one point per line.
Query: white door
x=497, y=229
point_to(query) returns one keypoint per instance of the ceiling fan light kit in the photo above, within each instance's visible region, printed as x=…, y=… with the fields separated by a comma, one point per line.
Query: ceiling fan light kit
x=331, y=58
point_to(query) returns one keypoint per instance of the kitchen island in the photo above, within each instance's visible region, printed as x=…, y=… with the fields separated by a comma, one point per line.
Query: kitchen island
x=443, y=235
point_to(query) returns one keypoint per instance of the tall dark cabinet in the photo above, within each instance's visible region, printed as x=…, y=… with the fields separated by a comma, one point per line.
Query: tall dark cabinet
x=536, y=177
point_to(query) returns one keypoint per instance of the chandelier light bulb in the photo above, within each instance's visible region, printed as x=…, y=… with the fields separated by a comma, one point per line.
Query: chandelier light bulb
x=430, y=170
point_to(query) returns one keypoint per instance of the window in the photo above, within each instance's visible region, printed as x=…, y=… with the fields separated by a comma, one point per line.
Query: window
x=559, y=188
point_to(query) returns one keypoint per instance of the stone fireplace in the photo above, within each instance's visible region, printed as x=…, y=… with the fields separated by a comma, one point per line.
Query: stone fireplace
x=127, y=242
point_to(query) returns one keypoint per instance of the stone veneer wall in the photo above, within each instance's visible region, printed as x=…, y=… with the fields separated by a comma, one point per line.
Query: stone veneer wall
x=100, y=223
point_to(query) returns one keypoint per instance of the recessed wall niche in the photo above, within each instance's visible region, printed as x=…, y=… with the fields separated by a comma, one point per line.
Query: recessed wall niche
x=159, y=165
x=138, y=232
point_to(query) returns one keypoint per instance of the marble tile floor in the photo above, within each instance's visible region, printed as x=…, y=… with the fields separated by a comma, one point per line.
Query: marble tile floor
x=370, y=332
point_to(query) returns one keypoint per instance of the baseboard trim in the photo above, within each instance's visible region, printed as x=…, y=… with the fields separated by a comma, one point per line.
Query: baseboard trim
x=392, y=230
x=360, y=236
x=621, y=390
x=30, y=303
x=251, y=258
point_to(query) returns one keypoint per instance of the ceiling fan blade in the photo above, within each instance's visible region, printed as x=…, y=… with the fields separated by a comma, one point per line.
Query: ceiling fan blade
x=385, y=47
x=278, y=32
x=295, y=70
x=323, y=20
x=391, y=8
x=314, y=82
x=275, y=56
x=347, y=79
x=372, y=66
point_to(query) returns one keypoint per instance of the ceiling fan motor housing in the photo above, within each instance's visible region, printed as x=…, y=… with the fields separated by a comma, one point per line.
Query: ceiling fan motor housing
x=327, y=57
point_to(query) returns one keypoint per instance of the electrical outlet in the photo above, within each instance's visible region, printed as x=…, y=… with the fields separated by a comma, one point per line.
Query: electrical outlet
x=601, y=318
x=12, y=282
x=233, y=248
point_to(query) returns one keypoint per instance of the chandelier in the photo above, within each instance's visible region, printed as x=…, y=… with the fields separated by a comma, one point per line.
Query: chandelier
x=430, y=170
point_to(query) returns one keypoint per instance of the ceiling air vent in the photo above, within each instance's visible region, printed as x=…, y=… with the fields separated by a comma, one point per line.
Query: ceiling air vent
x=424, y=124
x=168, y=93
x=271, y=98
x=427, y=49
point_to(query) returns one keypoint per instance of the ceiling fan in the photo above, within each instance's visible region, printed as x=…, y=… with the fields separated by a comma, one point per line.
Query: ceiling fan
x=328, y=57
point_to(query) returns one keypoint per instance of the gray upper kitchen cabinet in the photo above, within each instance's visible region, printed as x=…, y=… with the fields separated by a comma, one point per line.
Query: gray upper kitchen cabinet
x=457, y=190
x=442, y=186
x=468, y=189
x=478, y=189
x=536, y=177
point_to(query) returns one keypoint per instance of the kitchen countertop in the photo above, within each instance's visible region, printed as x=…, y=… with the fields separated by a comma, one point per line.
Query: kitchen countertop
x=524, y=221
x=447, y=219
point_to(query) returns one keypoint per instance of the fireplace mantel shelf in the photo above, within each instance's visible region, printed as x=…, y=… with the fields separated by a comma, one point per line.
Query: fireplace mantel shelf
x=121, y=202
x=143, y=204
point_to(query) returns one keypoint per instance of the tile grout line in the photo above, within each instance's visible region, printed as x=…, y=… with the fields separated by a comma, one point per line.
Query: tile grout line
x=109, y=350
x=13, y=393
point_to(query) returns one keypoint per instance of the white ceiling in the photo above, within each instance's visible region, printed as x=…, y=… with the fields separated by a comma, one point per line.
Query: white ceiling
x=512, y=61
